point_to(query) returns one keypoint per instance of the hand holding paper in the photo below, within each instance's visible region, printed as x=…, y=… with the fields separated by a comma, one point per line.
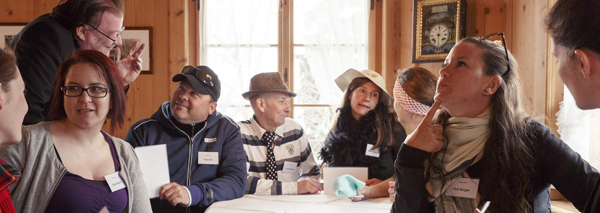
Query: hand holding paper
x=155, y=166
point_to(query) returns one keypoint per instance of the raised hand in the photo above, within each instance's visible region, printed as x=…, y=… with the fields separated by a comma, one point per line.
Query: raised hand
x=131, y=65
x=427, y=137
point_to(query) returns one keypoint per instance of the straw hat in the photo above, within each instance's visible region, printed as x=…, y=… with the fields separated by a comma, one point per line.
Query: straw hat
x=267, y=82
x=344, y=80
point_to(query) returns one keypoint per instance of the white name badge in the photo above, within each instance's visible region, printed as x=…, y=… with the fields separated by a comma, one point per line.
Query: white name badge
x=211, y=158
x=463, y=187
x=372, y=153
x=114, y=181
x=289, y=167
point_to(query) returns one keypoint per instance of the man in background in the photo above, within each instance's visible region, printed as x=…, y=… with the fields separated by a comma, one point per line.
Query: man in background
x=44, y=43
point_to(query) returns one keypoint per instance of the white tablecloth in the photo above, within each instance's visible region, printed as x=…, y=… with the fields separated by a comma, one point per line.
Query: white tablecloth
x=300, y=203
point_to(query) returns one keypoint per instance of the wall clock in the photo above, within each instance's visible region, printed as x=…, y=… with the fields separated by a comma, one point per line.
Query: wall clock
x=437, y=26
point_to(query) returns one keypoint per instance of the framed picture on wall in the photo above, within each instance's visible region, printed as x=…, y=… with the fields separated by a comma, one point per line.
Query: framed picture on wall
x=437, y=26
x=8, y=32
x=142, y=35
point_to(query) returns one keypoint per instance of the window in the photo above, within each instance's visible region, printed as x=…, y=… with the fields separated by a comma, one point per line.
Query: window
x=578, y=128
x=310, y=42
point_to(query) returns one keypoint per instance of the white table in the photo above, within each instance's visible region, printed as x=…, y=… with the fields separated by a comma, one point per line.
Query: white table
x=300, y=203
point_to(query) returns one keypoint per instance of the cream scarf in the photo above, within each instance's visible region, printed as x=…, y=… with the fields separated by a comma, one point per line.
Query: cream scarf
x=465, y=139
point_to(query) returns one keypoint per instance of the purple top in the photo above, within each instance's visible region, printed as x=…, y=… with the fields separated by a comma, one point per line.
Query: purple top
x=77, y=194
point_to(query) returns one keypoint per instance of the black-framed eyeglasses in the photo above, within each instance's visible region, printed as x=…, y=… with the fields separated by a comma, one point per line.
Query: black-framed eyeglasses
x=200, y=74
x=114, y=40
x=503, y=44
x=76, y=91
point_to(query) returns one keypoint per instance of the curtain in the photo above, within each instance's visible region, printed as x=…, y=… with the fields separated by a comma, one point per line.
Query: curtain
x=580, y=129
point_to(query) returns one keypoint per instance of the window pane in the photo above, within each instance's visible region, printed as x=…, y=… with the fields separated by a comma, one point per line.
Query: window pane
x=315, y=69
x=235, y=67
x=242, y=21
x=237, y=113
x=331, y=21
x=316, y=122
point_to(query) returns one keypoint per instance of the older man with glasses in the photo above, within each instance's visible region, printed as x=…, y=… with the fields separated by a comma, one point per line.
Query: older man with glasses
x=48, y=40
x=207, y=162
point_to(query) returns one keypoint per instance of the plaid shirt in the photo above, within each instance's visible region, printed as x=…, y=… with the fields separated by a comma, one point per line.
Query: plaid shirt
x=8, y=176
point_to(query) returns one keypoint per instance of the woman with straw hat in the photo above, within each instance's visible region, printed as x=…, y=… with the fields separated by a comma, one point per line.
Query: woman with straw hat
x=365, y=131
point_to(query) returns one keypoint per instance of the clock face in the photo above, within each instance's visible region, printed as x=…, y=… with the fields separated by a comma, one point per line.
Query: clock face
x=438, y=35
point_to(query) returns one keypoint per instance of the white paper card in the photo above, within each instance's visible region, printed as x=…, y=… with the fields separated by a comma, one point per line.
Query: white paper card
x=211, y=158
x=332, y=173
x=463, y=187
x=372, y=153
x=289, y=167
x=114, y=181
x=155, y=166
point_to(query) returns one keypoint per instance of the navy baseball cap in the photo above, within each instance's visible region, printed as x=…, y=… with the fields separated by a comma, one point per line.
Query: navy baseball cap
x=202, y=79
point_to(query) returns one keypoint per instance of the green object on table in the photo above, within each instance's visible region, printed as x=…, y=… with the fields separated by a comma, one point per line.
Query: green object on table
x=347, y=186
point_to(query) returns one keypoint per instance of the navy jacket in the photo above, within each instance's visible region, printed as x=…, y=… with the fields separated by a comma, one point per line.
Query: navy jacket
x=224, y=181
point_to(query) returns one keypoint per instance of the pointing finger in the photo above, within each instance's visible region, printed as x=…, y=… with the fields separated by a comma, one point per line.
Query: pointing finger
x=427, y=120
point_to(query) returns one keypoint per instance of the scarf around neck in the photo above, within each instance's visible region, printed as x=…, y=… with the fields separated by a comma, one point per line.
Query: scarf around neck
x=464, y=139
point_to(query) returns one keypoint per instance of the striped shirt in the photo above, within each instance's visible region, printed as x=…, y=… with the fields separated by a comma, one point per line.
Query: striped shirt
x=291, y=149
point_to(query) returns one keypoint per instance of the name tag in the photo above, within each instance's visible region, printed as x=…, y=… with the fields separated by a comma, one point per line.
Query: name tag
x=289, y=167
x=372, y=153
x=463, y=187
x=211, y=158
x=210, y=140
x=114, y=181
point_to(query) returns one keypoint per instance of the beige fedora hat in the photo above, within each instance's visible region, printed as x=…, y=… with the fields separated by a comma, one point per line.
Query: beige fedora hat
x=343, y=81
x=266, y=82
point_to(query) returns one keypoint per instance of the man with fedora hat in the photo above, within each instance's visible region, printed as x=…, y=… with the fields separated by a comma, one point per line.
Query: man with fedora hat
x=280, y=160
x=205, y=152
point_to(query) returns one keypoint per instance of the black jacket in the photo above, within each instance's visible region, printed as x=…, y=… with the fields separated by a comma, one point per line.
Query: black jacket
x=347, y=143
x=593, y=204
x=40, y=48
x=554, y=163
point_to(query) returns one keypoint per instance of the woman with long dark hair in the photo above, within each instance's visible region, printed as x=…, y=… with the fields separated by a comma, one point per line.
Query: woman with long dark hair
x=365, y=132
x=482, y=146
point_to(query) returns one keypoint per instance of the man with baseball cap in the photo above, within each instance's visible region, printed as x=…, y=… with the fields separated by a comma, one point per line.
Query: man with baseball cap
x=204, y=147
x=280, y=160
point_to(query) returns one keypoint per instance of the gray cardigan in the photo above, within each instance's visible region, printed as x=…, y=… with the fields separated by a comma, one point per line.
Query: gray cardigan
x=41, y=171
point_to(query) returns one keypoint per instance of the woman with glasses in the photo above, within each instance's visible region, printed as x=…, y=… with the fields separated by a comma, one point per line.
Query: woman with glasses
x=482, y=146
x=12, y=111
x=365, y=131
x=413, y=96
x=70, y=164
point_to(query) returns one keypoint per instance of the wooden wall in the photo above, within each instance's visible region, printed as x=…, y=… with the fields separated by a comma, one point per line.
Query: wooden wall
x=173, y=47
x=175, y=36
x=522, y=21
